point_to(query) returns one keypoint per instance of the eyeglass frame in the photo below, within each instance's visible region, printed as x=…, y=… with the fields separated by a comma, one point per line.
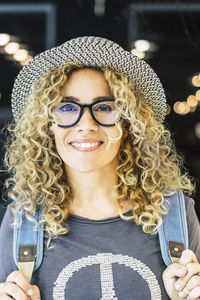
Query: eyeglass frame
x=89, y=106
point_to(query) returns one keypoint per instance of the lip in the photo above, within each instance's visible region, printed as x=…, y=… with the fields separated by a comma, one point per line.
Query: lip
x=88, y=145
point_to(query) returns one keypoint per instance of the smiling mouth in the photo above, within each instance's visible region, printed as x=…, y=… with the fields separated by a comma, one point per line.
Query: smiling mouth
x=86, y=146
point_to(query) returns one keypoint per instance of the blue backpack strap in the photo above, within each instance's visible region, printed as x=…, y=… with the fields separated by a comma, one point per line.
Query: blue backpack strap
x=29, y=236
x=173, y=233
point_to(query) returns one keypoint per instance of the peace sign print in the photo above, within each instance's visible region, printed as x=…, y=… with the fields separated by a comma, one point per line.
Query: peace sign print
x=105, y=261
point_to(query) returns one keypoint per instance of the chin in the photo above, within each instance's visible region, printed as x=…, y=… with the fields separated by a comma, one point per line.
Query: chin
x=83, y=168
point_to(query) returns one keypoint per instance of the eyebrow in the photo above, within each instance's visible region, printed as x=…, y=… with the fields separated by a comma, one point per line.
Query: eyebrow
x=69, y=98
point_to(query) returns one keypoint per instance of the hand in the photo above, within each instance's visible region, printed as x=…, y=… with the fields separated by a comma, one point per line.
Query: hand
x=17, y=287
x=188, y=282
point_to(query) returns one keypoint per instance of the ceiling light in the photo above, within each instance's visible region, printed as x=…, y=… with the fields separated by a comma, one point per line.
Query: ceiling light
x=11, y=47
x=20, y=55
x=181, y=108
x=198, y=95
x=175, y=107
x=29, y=57
x=138, y=53
x=192, y=101
x=142, y=45
x=4, y=39
x=196, y=80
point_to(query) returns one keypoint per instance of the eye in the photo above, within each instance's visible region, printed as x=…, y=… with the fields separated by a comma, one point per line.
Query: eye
x=104, y=107
x=68, y=108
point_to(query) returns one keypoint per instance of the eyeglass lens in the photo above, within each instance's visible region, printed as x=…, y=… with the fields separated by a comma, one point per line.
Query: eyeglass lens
x=69, y=112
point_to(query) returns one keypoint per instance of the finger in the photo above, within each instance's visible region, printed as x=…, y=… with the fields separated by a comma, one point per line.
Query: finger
x=184, y=281
x=31, y=290
x=174, y=270
x=193, y=283
x=13, y=290
x=18, y=278
x=187, y=257
x=34, y=293
x=4, y=297
x=194, y=294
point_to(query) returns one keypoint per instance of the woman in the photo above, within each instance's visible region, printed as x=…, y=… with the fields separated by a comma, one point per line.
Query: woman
x=90, y=149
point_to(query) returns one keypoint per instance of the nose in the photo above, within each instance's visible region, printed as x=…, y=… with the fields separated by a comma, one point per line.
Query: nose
x=86, y=122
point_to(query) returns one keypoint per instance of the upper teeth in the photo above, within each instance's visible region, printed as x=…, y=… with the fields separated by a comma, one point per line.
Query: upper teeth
x=85, y=145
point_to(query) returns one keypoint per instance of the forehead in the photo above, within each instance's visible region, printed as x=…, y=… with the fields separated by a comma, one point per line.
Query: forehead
x=86, y=83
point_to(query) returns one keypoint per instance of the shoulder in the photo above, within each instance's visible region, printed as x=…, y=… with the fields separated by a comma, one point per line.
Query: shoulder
x=191, y=215
x=7, y=264
x=189, y=202
x=193, y=226
x=6, y=229
x=8, y=216
x=190, y=212
x=179, y=197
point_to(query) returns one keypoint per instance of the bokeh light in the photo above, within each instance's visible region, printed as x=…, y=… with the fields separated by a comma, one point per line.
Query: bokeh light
x=4, y=39
x=196, y=80
x=11, y=47
x=29, y=57
x=142, y=45
x=20, y=55
x=138, y=53
x=192, y=101
x=198, y=95
x=181, y=108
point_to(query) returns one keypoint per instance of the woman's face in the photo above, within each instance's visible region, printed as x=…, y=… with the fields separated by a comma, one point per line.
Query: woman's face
x=85, y=146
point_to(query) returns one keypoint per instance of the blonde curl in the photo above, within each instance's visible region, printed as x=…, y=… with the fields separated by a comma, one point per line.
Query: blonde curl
x=149, y=167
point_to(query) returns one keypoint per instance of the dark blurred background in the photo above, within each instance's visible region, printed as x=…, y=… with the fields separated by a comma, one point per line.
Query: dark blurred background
x=166, y=34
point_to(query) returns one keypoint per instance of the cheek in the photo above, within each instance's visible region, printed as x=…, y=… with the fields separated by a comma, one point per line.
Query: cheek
x=60, y=137
x=113, y=143
x=114, y=134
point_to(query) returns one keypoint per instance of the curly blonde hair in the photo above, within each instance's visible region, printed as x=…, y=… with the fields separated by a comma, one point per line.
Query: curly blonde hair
x=149, y=167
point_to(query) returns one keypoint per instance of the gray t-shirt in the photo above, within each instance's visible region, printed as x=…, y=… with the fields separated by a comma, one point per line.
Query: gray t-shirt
x=106, y=259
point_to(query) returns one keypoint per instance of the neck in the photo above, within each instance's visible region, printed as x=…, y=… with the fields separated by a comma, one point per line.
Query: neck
x=94, y=193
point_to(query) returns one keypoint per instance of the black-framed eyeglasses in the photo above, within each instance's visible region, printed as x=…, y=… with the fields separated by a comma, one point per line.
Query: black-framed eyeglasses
x=103, y=111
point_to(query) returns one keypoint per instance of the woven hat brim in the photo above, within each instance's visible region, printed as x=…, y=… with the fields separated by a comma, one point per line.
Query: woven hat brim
x=91, y=51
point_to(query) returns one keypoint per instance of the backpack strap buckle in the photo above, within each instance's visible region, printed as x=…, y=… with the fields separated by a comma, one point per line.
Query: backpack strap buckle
x=175, y=250
x=26, y=260
x=27, y=253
